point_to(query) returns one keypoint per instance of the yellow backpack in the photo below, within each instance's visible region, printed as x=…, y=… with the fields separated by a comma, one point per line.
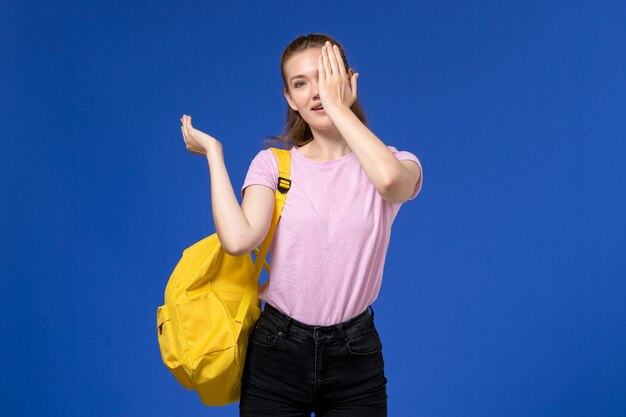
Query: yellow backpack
x=211, y=304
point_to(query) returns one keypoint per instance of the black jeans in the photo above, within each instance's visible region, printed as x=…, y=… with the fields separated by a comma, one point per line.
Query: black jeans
x=293, y=369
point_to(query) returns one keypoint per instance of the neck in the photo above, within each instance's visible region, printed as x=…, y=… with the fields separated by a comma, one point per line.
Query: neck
x=327, y=145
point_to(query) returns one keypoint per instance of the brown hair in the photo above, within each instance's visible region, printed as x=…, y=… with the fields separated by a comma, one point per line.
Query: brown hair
x=296, y=131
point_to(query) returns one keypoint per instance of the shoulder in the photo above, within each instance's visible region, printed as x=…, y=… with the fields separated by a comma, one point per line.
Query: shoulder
x=265, y=158
x=263, y=170
x=265, y=154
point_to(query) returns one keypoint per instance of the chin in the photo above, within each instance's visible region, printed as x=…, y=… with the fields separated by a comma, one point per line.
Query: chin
x=319, y=125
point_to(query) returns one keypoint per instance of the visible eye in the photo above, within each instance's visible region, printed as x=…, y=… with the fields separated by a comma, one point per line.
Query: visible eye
x=296, y=84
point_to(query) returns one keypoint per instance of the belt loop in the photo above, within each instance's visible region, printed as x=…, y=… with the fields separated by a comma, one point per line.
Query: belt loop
x=286, y=322
x=372, y=310
x=342, y=334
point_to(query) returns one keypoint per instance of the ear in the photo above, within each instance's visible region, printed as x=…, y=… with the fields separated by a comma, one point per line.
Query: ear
x=289, y=100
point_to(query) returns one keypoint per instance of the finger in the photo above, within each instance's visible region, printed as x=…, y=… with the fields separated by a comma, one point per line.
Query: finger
x=353, y=84
x=332, y=61
x=332, y=53
x=185, y=139
x=186, y=127
x=321, y=70
x=327, y=68
x=338, y=61
x=184, y=121
x=182, y=129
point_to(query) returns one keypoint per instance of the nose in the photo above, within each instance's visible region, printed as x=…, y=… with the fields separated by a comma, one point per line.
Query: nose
x=315, y=89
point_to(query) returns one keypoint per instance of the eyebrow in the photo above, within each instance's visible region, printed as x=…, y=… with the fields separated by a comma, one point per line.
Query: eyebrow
x=299, y=76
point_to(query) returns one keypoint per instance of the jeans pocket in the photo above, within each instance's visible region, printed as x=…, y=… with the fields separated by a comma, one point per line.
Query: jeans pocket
x=263, y=337
x=365, y=343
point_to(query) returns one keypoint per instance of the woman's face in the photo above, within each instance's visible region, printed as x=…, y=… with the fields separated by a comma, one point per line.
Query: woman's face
x=301, y=72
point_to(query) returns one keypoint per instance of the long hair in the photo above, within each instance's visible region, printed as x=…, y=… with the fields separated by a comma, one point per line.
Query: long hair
x=297, y=131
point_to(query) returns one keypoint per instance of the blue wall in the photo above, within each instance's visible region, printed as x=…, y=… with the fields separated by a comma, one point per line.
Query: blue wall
x=504, y=291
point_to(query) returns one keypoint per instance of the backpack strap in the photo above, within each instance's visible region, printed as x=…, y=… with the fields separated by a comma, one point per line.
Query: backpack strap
x=284, y=183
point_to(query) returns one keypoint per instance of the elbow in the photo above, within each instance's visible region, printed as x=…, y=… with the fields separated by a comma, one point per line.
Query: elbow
x=239, y=251
x=390, y=194
x=394, y=190
x=388, y=184
x=388, y=187
x=400, y=186
x=235, y=252
x=229, y=249
x=241, y=246
x=233, y=247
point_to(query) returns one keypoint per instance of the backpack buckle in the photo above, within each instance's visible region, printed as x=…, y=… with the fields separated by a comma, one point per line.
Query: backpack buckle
x=284, y=184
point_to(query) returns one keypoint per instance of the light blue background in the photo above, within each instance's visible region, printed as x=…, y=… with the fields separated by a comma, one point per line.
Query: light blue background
x=504, y=289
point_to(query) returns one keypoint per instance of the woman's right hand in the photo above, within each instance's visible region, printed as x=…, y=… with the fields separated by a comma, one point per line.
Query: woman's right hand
x=196, y=141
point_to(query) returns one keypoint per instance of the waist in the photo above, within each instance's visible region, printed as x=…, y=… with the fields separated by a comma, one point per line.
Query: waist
x=273, y=317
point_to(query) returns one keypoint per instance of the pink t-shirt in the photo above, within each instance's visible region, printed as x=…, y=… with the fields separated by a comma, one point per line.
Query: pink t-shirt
x=329, y=248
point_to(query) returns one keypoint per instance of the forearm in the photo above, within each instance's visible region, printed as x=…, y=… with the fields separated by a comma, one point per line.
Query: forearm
x=379, y=164
x=231, y=224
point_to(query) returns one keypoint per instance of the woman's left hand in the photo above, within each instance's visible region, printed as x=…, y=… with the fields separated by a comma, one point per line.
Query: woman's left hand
x=337, y=87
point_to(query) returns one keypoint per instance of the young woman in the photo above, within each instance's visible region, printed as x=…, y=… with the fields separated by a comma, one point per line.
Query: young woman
x=315, y=347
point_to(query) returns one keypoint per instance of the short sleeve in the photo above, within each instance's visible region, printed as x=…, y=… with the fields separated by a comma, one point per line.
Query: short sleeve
x=405, y=155
x=263, y=170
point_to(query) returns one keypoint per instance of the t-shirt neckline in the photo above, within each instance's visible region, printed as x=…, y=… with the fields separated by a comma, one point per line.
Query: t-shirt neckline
x=299, y=155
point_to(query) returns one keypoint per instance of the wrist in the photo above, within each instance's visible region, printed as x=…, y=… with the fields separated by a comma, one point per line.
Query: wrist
x=336, y=108
x=214, y=150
